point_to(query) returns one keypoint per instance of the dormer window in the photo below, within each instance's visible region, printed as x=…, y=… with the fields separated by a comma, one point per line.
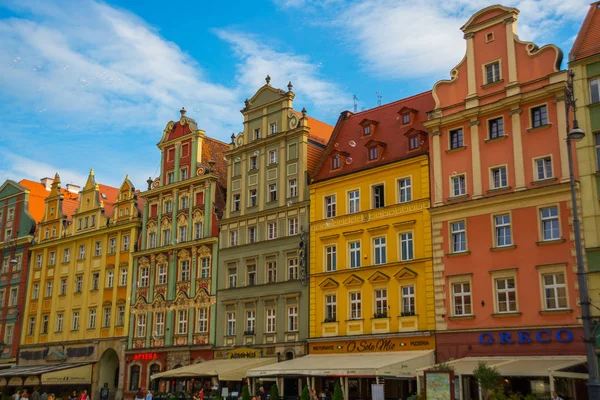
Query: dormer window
x=368, y=126
x=374, y=149
x=407, y=115
x=406, y=119
x=413, y=142
x=336, y=162
x=367, y=130
x=415, y=138
x=373, y=153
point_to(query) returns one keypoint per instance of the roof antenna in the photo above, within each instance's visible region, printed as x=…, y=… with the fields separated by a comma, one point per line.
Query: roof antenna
x=355, y=103
x=379, y=96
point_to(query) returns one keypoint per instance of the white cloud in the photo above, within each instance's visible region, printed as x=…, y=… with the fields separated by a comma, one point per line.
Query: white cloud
x=257, y=60
x=17, y=167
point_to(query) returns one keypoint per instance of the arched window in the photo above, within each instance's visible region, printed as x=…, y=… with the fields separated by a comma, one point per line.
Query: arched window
x=134, y=377
x=289, y=355
x=154, y=369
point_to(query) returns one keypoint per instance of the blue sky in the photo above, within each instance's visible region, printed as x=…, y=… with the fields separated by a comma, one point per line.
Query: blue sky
x=88, y=84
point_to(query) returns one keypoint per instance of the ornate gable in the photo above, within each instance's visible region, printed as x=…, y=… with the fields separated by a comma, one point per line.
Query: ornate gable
x=405, y=273
x=353, y=280
x=329, y=284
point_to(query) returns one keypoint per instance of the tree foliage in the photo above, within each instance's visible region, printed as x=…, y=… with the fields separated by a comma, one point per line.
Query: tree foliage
x=305, y=394
x=337, y=392
x=274, y=392
x=245, y=393
x=487, y=378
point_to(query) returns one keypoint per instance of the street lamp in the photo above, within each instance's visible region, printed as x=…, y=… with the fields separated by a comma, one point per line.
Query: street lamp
x=575, y=135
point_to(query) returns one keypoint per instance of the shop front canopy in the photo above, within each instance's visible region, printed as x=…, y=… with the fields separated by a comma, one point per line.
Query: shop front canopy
x=526, y=366
x=401, y=364
x=231, y=369
x=47, y=374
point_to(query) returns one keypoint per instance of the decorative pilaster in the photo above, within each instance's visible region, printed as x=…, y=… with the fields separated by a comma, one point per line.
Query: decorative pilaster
x=174, y=233
x=148, y=328
x=208, y=209
x=438, y=185
x=471, y=82
x=561, y=120
x=517, y=138
x=170, y=327
x=510, y=49
x=213, y=290
x=194, y=157
x=191, y=319
x=475, y=160
x=177, y=172
x=144, y=223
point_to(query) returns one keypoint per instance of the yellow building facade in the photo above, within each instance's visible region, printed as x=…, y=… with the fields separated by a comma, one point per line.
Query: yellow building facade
x=77, y=302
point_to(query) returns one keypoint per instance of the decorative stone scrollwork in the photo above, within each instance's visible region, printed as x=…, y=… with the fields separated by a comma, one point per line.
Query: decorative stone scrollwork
x=183, y=255
x=156, y=183
x=201, y=170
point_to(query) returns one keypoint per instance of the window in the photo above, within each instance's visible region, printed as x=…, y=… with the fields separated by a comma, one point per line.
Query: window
x=44, y=328
x=456, y=138
x=270, y=320
x=458, y=234
x=330, y=308
x=144, y=277
x=48, y=289
x=496, y=127
x=543, y=168
x=198, y=230
x=170, y=177
x=8, y=233
x=252, y=197
x=539, y=116
x=184, y=175
x=232, y=277
x=354, y=249
x=166, y=237
x=10, y=331
x=53, y=231
x=59, y=322
x=93, y=223
x=184, y=271
x=141, y=326
x=123, y=278
x=67, y=255
x=335, y=161
x=502, y=230
x=459, y=186
x=168, y=206
x=292, y=226
x=330, y=258
x=98, y=249
x=106, y=317
x=355, y=305
x=292, y=268
x=5, y=264
x=112, y=245
x=182, y=233
x=250, y=321
x=273, y=128
x=271, y=271
x=251, y=275
x=330, y=206
x=292, y=319
x=293, y=185
x=404, y=190
x=257, y=133
x=202, y=325
x=182, y=322
x=252, y=238
x=506, y=295
x=92, y=319
x=405, y=118
x=31, y=326
x=461, y=295
x=95, y=281
x=120, y=315
x=185, y=202
x=353, y=201
x=52, y=257
x=75, y=321
x=134, y=377
x=162, y=274
x=373, y=153
x=492, y=72
x=63, y=287
x=17, y=266
x=272, y=192
x=230, y=324
x=272, y=157
x=367, y=130
x=378, y=196
x=152, y=240
x=499, y=179
x=413, y=143
x=125, y=243
x=35, y=291
x=205, y=267
x=110, y=279
x=555, y=291
x=550, y=228
x=381, y=305
x=38, y=261
x=10, y=214
x=78, y=284
x=408, y=300
x=253, y=162
x=597, y=146
x=233, y=238
x=272, y=230
x=595, y=90
x=406, y=246
x=236, y=202
x=379, y=250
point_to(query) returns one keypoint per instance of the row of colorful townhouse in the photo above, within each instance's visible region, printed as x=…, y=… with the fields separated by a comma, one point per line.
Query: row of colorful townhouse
x=431, y=229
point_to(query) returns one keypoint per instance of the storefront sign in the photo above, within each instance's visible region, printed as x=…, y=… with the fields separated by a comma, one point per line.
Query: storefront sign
x=15, y=381
x=524, y=337
x=243, y=353
x=82, y=375
x=32, y=380
x=145, y=356
x=374, y=345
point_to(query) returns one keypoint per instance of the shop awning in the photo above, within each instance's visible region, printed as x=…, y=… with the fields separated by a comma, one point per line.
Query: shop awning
x=520, y=366
x=394, y=364
x=48, y=374
x=226, y=369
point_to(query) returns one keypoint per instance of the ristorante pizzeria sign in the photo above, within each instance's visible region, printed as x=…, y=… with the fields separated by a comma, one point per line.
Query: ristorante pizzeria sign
x=374, y=345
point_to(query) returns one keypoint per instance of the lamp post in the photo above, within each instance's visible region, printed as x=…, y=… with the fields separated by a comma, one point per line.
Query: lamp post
x=575, y=135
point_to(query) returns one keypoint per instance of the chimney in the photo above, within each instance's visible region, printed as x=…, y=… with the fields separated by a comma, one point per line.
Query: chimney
x=47, y=182
x=73, y=188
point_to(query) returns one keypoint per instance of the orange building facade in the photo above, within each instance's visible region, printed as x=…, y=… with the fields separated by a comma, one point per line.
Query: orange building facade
x=503, y=249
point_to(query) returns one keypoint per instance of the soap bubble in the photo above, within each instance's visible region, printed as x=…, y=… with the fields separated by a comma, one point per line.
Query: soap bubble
x=66, y=67
x=237, y=159
x=336, y=145
x=289, y=203
x=352, y=143
x=83, y=82
x=41, y=89
x=349, y=160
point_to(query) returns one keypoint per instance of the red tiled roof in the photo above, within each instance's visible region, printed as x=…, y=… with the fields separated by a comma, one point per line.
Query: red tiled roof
x=588, y=38
x=38, y=195
x=319, y=130
x=349, y=141
x=213, y=149
x=111, y=198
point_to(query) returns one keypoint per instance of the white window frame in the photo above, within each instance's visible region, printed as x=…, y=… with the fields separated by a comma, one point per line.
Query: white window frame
x=499, y=177
x=202, y=322
x=182, y=322
x=502, y=225
x=330, y=206
x=159, y=324
x=407, y=248
x=330, y=253
x=404, y=190
x=144, y=276
x=354, y=254
x=408, y=298
x=231, y=329
x=551, y=219
x=293, y=185
x=459, y=185
x=331, y=306
x=272, y=230
x=543, y=168
x=271, y=320
x=379, y=250
x=140, y=331
x=293, y=226
x=466, y=306
x=458, y=229
x=353, y=201
x=355, y=305
x=292, y=318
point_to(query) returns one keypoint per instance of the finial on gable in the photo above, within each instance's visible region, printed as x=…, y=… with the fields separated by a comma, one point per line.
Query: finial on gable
x=92, y=171
x=182, y=111
x=290, y=86
x=268, y=79
x=233, y=138
x=303, y=112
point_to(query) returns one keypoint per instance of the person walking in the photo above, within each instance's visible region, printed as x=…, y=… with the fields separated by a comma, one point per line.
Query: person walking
x=74, y=395
x=149, y=394
x=16, y=395
x=139, y=395
x=35, y=395
x=44, y=395
x=313, y=395
x=261, y=393
x=555, y=396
